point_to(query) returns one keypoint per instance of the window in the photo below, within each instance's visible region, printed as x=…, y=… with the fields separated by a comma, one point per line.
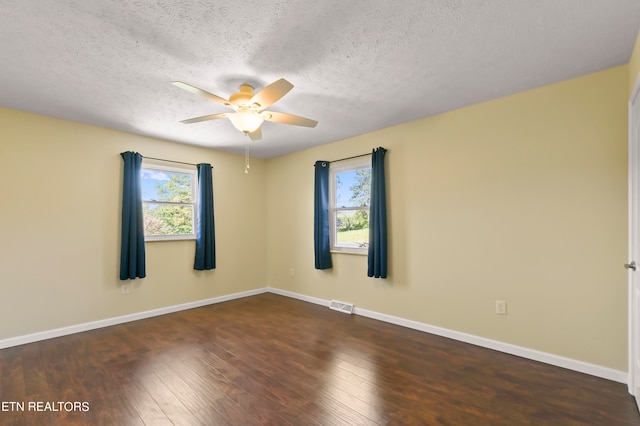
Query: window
x=169, y=201
x=349, y=189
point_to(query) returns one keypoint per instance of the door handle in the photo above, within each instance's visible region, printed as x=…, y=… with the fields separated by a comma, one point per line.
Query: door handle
x=631, y=265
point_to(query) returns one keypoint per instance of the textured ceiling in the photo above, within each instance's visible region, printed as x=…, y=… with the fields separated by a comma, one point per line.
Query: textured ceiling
x=357, y=66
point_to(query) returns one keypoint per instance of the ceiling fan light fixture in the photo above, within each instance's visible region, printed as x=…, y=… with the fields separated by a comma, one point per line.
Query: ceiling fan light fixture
x=249, y=108
x=246, y=121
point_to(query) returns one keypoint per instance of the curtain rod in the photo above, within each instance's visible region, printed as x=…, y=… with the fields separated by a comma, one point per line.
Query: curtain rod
x=163, y=159
x=170, y=161
x=348, y=158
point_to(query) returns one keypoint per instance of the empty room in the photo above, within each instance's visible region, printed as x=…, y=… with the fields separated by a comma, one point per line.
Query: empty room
x=320, y=213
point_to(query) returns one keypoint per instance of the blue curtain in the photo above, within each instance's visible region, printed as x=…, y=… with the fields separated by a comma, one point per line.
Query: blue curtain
x=205, y=226
x=132, y=257
x=378, y=217
x=321, y=216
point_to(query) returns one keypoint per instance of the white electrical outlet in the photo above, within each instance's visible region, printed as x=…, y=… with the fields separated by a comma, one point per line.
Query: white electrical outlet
x=125, y=289
x=292, y=272
x=501, y=307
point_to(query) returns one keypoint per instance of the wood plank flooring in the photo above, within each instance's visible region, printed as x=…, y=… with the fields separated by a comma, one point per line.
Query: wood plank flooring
x=271, y=360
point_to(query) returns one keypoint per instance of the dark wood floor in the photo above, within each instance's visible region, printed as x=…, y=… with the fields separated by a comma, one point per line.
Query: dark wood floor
x=269, y=359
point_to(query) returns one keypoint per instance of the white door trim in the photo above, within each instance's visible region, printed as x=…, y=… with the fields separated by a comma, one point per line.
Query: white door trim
x=633, y=243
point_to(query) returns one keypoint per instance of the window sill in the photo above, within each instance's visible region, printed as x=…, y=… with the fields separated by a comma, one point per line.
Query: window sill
x=357, y=253
x=169, y=238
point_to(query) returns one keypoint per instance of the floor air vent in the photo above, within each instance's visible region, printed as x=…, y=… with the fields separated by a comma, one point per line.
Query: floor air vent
x=347, y=308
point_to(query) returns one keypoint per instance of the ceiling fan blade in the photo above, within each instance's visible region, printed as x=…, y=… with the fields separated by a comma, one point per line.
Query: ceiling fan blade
x=202, y=93
x=256, y=134
x=270, y=94
x=207, y=117
x=280, y=117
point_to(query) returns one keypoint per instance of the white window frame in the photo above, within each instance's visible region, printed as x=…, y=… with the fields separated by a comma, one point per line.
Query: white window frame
x=333, y=209
x=193, y=203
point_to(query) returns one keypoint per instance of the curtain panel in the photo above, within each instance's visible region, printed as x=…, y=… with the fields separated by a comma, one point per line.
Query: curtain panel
x=377, y=256
x=321, y=216
x=132, y=254
x=205, y=258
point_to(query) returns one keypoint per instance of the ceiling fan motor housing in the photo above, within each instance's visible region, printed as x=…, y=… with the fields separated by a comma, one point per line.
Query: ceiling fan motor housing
x=243, y=97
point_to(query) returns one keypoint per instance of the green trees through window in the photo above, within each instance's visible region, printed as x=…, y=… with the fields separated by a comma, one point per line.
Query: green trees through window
x=349, y=199
x=168, y=202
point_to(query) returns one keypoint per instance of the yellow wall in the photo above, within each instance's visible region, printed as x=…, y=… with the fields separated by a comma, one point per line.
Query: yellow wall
x=634, y=64
x=60, y=228
x=521, y=199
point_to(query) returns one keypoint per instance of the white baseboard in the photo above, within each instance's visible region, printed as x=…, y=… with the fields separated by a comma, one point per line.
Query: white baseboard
x=299, y=296
x=559, y=361
x=64, y=331
x=556, y=360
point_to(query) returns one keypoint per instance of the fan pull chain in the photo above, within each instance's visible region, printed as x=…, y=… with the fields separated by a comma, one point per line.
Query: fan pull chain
x=247, y=166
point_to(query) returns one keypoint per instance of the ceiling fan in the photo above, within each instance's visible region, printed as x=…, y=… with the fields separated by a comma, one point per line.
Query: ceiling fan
x=249, y=107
